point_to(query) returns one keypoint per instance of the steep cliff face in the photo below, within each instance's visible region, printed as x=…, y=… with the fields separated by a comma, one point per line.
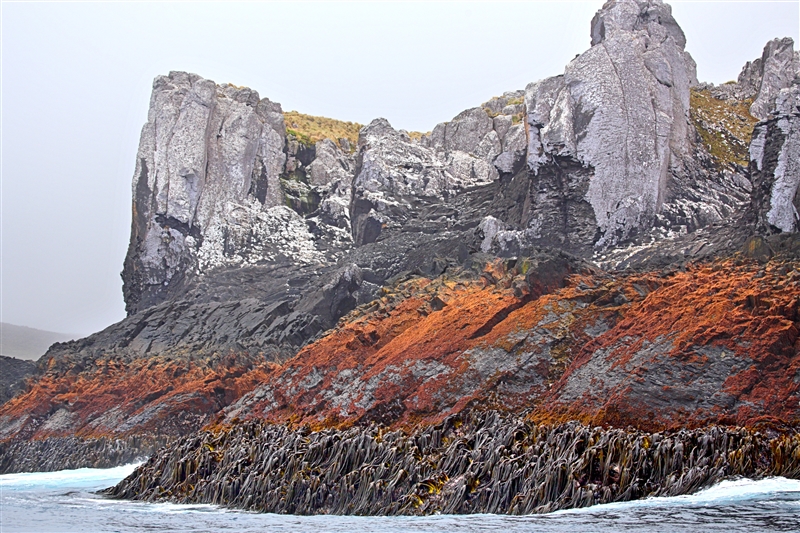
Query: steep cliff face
x=621, y=110
x=206, y=178
x=612, y=155
x=402, y=278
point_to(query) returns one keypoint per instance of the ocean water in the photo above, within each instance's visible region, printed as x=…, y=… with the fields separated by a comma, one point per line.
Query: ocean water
x=65, y=502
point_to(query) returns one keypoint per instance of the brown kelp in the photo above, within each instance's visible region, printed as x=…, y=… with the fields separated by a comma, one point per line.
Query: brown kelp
x=477, y=462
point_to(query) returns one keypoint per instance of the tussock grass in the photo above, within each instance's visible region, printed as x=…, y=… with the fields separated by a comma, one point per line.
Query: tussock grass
x=309, y=129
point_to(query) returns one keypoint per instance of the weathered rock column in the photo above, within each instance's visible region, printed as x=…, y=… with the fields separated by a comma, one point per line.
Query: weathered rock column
x=775, y=165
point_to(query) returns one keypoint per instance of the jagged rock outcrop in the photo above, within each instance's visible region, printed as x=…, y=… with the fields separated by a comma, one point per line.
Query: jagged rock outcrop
x=620, y=110
x=775, y=165
x=762, y=79
x=612, y=156
x=205, y=189
x=777, y=69
x=397, y=176
x=215, y=173
x=392, y=172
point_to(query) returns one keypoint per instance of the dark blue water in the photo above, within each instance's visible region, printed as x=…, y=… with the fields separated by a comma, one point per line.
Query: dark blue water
x=64, y=502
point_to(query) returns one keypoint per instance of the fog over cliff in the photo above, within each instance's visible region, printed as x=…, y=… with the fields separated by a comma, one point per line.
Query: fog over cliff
x=77, y=78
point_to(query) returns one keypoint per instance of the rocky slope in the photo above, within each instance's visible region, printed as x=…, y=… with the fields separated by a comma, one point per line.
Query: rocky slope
x=615, y=245
x=13, y=373
x=714, y=343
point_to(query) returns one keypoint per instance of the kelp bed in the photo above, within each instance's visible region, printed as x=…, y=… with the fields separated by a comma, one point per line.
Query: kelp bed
x=481, y=462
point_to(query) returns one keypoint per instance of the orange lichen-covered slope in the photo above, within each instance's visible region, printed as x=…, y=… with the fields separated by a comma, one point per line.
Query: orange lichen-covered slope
x=716, y=343
x=427, y=349
x=407, y=354
x=112, y=397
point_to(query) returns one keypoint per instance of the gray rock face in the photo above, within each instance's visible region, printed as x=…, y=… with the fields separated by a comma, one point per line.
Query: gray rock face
x=749, y=80
x=775, y=165
x=467, y=130
x=261, y=312
x=391, y=172
x=396, y=176
x=621, y=109
x=206, y=190
x=331, y=174
x=776, y=70
x=13, y=373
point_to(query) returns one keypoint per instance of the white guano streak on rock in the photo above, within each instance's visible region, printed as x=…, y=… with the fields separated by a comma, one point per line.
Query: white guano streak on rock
x=757, y=145
x=782, y=213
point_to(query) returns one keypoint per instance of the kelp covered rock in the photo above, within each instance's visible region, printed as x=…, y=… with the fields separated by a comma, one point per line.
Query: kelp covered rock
x=476, y=463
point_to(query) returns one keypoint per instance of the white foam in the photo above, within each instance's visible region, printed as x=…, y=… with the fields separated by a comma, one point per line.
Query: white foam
x=79, y=478
x=725, y=492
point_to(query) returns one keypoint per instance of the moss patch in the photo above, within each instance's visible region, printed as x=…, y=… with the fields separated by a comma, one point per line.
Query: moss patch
x=298, y=195
x=725, y=126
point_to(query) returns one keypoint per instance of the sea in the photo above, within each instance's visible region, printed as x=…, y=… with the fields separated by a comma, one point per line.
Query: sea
x=66, y=501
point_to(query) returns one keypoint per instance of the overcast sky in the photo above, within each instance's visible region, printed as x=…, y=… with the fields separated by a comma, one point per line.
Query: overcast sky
x=76, y=81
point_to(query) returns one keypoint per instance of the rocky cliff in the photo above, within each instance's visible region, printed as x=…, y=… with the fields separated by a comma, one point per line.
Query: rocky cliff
x=614, y=245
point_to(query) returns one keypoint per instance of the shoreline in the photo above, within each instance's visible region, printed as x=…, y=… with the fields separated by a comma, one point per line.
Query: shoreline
x=471, y=463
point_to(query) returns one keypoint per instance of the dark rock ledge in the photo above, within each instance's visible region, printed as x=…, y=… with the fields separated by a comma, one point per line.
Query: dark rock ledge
x=474, y=463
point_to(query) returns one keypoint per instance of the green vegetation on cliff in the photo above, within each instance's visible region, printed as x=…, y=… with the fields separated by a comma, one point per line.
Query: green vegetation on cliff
x=309, y=129
x=725, y=126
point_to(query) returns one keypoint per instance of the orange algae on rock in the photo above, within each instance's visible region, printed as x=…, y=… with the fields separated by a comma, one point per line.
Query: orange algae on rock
x=112, y=397
x=400, y=356
x=716, y=343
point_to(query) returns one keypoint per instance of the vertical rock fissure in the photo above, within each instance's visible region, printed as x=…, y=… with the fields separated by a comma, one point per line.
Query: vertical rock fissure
x=624, y=107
